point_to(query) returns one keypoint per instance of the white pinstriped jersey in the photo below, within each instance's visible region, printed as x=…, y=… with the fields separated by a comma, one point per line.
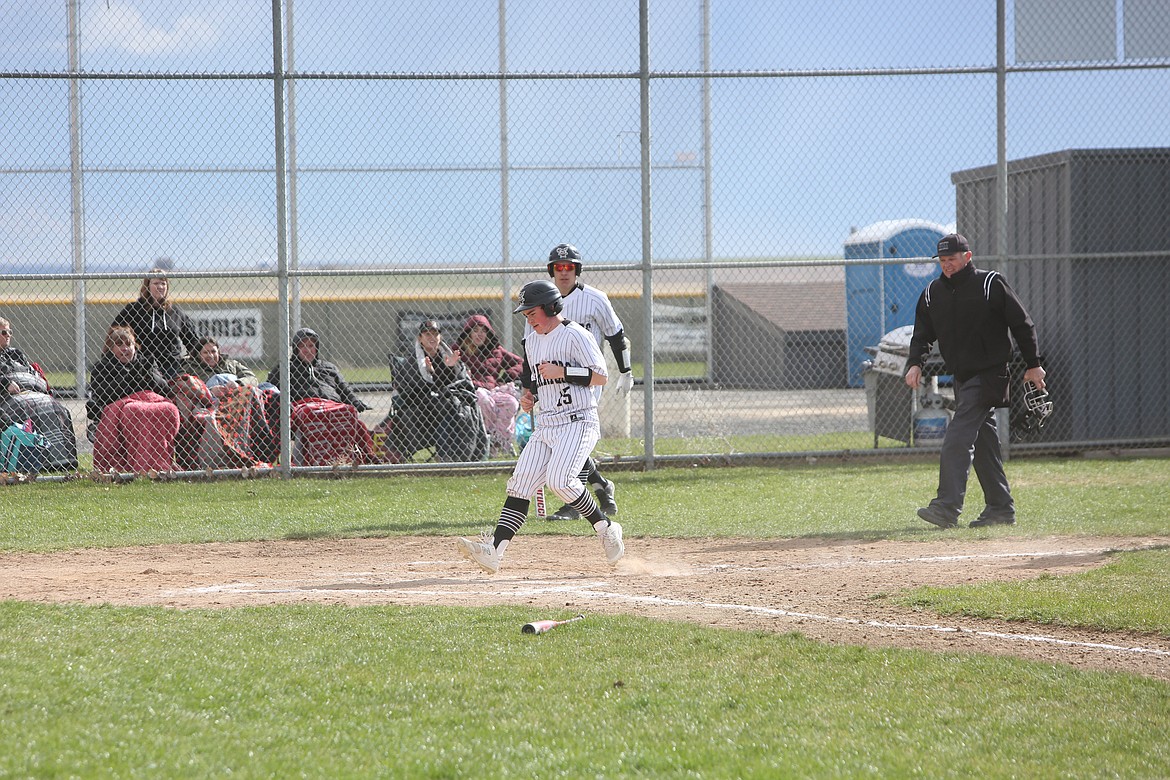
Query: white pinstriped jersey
x=591, y=308
x=568, y=344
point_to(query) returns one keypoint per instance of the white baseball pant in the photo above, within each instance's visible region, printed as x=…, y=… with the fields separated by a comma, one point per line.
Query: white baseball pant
x=554, y=456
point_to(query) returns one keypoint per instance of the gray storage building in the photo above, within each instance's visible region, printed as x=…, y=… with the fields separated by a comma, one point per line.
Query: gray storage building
x=778, y=335
x=1103, y=319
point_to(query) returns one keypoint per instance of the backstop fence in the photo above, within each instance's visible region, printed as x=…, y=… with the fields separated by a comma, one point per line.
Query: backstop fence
x=757, y=186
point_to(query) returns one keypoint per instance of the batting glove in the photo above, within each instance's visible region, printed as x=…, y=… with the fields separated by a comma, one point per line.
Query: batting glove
x=625, y=383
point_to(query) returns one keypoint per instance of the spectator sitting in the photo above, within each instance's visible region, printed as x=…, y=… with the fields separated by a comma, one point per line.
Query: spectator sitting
x=311, y=377
x=132, y=422
x=435, y=406
x=223, y=413
x=494, y=371
x=165, y=334
x=27, y=397
x=325, y=410
x=17, y=373
x=209, y=361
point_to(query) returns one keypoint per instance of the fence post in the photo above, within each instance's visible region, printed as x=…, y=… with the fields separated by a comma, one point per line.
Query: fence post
x=647, y=245
x=282, y=304
x=77, y=198
x=1001, y=178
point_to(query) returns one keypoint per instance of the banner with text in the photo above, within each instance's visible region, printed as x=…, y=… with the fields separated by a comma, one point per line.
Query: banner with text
x=238, y=331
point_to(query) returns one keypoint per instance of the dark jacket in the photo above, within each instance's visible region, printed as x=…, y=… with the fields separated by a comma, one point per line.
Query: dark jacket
x=164, y=336
x=15, y=367
x=111, y=380
x=441, y=414
x=492, y=365
x=971, y=316
x=449, y=381
x=319, y=379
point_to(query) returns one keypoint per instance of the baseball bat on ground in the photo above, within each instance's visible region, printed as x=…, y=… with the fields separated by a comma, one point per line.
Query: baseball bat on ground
x=541, y=626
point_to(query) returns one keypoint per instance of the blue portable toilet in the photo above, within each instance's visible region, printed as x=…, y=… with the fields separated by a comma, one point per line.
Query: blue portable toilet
x=881, y=297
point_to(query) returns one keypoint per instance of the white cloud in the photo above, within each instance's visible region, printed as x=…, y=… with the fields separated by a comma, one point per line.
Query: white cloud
x=122, y=26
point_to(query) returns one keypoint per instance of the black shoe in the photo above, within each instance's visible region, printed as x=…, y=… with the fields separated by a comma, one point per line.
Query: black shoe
x=605, y=499
x=937, y=517
x=566, y=512
x=990, y=518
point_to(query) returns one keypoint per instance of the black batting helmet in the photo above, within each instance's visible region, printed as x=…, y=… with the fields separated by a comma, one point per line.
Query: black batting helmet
x=564, y=253
x=541, y=293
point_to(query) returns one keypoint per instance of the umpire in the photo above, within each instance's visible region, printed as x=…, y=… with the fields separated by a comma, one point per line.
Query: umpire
x=970, y=313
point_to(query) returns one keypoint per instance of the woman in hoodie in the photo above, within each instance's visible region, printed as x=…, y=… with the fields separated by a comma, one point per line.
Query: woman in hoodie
x=325, y=411
x=165, y=334
x=495, y=371
x=311, y=377
x=132, y=421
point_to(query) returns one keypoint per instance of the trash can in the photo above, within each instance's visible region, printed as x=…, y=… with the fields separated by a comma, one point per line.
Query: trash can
x=894, y=412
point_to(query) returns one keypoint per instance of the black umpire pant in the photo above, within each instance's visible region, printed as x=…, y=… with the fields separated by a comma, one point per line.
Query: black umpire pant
x=972, y=438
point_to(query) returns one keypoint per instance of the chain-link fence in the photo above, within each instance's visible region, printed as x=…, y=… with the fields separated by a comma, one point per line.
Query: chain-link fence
x=758, y=188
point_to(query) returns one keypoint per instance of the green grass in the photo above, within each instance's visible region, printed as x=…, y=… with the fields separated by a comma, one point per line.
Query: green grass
x=683, y=369
x=1130, y=593
x=323, y=691
x=868, y=500
x=738, y=444
x=331, y=691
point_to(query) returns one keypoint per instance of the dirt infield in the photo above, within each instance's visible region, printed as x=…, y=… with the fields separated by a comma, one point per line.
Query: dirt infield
x=829, y=590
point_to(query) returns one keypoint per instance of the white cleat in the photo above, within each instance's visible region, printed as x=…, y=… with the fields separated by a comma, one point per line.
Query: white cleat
x=611, y=540
x=481, y=553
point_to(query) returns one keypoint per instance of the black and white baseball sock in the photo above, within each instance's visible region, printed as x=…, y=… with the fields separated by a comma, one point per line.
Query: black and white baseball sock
x=590, y=474
x=512, y=517
x=587, y=506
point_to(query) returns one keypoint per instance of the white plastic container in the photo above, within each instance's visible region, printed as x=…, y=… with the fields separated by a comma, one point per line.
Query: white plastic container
x=931, y=419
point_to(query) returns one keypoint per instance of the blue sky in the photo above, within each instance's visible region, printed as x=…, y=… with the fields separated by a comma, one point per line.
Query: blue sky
x=403, y=172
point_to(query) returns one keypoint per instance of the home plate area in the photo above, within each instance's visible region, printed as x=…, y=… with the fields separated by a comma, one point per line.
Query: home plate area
x=826, y=589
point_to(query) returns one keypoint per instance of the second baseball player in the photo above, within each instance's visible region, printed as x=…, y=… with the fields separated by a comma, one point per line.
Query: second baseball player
x=565, y=367
x=591, y=308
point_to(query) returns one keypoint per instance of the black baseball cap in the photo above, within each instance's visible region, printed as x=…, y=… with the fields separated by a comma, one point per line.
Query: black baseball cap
x=428, y=325
x=951, y=244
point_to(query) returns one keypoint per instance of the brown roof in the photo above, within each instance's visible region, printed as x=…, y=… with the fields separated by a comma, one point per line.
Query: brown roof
x=794, y=306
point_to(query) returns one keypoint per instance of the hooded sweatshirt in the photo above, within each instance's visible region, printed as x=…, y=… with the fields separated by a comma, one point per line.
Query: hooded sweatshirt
x=318, y=379
x=490, y=365
x=163, y=336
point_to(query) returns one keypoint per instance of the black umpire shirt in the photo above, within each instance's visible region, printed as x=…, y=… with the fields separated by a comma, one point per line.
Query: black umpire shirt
x=971, y=315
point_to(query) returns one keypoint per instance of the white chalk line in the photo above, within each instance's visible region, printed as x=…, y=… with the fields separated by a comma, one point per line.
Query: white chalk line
x=244, y=589
x=588, y=590
x=776, y=612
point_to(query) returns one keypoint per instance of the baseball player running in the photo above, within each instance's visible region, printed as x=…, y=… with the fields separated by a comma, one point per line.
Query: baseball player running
x=565, y=366
x=590, y=307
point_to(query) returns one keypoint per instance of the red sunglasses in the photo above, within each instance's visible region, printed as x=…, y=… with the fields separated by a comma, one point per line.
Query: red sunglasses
x=564, y=267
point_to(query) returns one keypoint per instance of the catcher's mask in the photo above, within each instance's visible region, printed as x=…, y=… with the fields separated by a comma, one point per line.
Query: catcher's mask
x=1038, y=404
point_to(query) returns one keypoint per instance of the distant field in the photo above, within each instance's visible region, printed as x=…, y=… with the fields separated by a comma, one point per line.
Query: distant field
x=419, y=283
x=190, y=291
